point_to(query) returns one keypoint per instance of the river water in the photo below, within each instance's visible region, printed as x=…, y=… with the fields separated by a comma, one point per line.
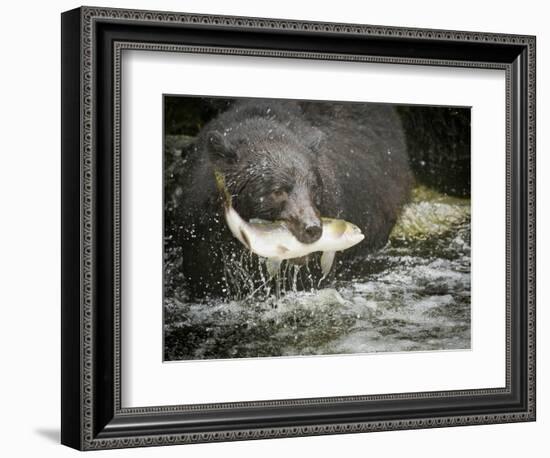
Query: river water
x=413, y=295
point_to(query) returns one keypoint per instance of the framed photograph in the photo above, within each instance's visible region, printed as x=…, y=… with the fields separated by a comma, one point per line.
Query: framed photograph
x=276, y=228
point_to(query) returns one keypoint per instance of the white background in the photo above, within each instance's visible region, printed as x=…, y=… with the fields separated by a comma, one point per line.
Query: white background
x=30, y=213
x=146, y=76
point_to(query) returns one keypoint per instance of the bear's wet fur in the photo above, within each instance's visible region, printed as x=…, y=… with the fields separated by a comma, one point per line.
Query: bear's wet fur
x=292, y=161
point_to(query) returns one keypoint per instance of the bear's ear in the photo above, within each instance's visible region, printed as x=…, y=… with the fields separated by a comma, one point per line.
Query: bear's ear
x=313, y=138
x=219, y=146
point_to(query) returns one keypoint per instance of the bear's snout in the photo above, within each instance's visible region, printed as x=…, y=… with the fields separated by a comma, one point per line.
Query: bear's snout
x=308, y=231
x=312, y=233
x=306, y=225
x=302, y=216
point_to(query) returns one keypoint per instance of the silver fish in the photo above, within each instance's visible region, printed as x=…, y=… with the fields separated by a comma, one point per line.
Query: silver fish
x=275, y=241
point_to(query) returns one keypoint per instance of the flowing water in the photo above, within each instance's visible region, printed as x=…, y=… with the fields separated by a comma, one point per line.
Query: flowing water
x=413, y=295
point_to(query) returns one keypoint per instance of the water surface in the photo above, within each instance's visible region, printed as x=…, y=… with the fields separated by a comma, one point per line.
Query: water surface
x=413, y=295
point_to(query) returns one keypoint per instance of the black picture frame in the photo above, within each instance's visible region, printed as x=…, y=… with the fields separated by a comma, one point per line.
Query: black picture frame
x=92, y=416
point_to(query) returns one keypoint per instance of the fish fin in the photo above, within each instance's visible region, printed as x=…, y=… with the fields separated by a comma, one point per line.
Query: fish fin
x=245, y=239
x=327, y=259
x=259, y=221
x=273, y=266
x=281, y=249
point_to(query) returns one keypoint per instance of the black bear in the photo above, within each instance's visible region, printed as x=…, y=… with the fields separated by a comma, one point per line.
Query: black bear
x=293, y=161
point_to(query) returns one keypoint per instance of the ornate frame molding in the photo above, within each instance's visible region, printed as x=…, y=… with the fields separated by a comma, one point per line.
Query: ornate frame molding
x=89, y=17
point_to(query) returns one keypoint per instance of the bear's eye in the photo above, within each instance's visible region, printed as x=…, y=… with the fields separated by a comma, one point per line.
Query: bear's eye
x=279, y=195
x=317, y=199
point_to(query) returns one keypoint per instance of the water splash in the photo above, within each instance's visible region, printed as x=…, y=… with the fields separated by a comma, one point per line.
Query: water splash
x=412, y=295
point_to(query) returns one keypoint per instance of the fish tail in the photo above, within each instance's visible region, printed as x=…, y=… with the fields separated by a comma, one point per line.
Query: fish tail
x=222, y=188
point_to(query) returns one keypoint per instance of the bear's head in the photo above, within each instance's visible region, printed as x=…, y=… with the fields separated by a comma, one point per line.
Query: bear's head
x=271, y=172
